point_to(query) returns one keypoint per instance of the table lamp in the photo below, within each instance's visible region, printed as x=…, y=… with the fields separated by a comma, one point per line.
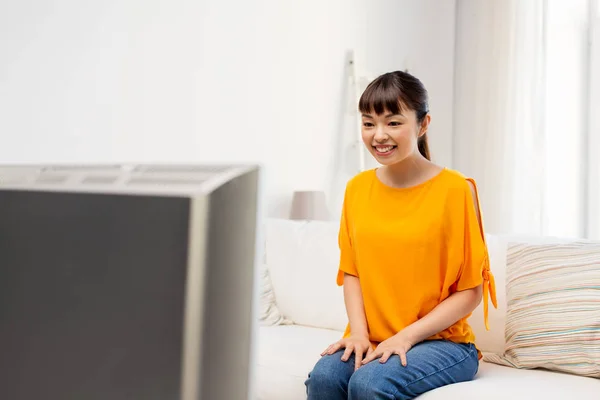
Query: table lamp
x=309, y=205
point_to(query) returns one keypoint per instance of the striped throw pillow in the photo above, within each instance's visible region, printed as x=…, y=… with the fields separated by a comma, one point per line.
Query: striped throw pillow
x=553, y=308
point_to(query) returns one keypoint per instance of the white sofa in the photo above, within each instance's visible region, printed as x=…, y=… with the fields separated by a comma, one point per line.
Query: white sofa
x=301, y=258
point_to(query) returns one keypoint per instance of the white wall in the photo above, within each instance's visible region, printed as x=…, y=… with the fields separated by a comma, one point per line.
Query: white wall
x=227, y=80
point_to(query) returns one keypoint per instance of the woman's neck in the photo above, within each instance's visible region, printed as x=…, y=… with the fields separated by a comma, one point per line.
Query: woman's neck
x=408, y=172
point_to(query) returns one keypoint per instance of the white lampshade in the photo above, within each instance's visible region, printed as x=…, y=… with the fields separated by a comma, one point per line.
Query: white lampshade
x=309, y=205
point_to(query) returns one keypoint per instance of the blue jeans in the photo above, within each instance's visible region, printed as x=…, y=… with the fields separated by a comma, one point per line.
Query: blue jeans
x=430, y=365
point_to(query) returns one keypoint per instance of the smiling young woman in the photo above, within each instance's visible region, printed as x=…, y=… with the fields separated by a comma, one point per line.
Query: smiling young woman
x=413, y=261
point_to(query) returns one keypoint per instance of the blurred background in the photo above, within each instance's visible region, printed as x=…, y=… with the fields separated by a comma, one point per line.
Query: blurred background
x=514, y=88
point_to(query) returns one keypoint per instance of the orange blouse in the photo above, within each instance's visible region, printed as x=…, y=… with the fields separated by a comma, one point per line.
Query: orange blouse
x=411, y=248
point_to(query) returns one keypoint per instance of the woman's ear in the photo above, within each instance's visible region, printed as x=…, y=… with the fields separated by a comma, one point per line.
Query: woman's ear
x=425, y=125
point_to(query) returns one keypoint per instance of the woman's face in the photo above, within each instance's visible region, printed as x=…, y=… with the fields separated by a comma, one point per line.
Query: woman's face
x=391, y=138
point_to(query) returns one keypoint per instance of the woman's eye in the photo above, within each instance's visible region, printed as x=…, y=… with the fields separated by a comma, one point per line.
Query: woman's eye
x=367, y=124
x=394, y=123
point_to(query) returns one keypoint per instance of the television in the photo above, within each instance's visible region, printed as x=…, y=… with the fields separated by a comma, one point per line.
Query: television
x=127, y=281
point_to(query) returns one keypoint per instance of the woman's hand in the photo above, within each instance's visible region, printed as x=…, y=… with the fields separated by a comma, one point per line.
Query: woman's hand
x=357, y=344
x=398, y=344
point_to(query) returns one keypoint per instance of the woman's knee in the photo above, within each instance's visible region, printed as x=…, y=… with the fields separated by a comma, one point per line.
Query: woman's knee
x=321, y=379
x=329, y=376
x=370, y=382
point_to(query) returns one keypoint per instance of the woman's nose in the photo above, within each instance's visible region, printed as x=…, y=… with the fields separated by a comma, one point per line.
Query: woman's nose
x=380, y=135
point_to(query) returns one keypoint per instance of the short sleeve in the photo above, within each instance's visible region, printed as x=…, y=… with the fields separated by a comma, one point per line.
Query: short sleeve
x=475, y=269
x=347, y=264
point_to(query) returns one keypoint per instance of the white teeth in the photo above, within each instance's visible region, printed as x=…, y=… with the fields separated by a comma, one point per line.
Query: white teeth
x=384, y=149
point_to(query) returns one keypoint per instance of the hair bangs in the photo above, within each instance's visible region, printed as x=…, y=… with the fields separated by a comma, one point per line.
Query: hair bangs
x=381, y=96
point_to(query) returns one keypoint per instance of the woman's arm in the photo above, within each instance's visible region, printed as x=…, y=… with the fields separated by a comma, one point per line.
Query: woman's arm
x=358, y=342
x=354, y=306
x=457, y=306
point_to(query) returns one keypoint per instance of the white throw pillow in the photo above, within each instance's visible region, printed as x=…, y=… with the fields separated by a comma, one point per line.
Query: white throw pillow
x=303, y=258
x=553, y=313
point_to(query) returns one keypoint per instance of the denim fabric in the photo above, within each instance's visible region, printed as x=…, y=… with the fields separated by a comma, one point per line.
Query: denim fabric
x=430, y=365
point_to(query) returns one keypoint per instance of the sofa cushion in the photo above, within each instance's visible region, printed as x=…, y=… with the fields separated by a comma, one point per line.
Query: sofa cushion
x=495, y=382
x=303, y=261
x=286, y=354
x=553, y=320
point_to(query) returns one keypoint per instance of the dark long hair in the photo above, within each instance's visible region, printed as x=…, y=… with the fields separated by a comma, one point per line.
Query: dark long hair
x=393, y=92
